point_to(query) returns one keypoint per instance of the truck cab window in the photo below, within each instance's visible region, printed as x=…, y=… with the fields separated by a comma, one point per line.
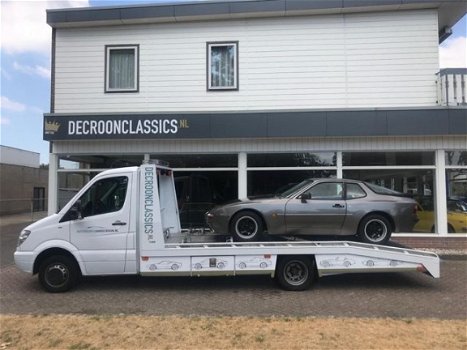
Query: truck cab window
x=105, y=196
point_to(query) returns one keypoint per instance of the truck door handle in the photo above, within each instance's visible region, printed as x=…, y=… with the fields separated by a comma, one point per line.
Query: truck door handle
x=118, y=223
x=337, y=205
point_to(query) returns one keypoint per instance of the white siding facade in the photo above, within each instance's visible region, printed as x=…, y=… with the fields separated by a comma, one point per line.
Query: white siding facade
x=362, y=60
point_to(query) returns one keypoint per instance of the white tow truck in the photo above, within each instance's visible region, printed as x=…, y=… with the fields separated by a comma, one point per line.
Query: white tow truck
x=126, y=221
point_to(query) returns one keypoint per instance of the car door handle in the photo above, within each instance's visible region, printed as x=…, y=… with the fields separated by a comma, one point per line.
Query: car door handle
x=337, y=205
x=118, y=223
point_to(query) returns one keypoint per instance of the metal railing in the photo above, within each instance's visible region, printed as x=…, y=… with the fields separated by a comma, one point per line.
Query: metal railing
x=451, y=87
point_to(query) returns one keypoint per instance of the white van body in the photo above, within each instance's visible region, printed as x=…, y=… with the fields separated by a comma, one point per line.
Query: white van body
x=126, y=221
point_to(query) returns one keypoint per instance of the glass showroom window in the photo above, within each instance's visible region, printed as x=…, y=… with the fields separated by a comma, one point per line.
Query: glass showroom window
x=222, y=66
x=273, y=173
x=411, y=173
x=456, y=191
x=202, y=181
x=121, y=68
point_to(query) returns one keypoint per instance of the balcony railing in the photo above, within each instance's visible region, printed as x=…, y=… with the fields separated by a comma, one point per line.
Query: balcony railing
x=451, y=87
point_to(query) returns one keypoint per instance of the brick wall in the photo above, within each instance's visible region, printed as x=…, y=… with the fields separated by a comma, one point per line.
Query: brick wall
x=456, y=243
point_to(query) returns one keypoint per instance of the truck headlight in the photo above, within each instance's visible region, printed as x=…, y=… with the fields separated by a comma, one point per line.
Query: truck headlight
x=22, y=236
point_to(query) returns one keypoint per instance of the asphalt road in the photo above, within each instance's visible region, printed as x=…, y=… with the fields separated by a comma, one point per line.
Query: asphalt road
x=397, y=295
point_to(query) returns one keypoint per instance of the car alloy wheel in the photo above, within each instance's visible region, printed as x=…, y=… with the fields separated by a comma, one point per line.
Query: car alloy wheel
x=375, y=230
x=246, y=227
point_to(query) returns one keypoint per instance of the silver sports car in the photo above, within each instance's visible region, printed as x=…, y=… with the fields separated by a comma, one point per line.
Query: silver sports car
x=319, y=207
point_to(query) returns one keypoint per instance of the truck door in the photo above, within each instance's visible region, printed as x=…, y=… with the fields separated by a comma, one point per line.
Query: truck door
x=101, y=233
x=321, y=211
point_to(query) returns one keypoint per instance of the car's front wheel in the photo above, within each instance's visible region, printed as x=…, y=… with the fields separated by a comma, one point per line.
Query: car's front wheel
x=374, y=229
x=246, y=226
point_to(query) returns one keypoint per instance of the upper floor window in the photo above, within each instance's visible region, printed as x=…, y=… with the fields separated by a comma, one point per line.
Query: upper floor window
x=121, y=68
x=223, y=66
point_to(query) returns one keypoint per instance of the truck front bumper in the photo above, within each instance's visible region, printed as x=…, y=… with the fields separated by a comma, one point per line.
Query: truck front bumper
x=25, y=261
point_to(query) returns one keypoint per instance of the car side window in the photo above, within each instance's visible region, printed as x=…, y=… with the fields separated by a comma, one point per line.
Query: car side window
x=105, y=196
x=332, y=190
x=354, y=191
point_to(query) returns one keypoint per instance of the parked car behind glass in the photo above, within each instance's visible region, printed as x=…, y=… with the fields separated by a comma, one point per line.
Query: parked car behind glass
x=319, y=207
x=457, y=217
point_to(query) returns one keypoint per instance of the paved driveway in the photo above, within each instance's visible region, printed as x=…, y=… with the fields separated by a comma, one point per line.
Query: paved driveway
x=360, y=295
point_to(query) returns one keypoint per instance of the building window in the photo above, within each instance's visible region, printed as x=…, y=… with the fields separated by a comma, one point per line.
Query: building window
x=274, y=173
x=302, y=159
x=456, y=191
x=387, y=158
x=222, y=66
x=121, y=68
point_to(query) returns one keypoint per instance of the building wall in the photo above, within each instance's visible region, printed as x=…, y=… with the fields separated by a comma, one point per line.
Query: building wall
x=385, y=59
x=15, y=156
x=17, y=187
x=309, y=144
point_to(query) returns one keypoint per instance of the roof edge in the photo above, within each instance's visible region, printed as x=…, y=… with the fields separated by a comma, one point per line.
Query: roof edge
x=450, y=11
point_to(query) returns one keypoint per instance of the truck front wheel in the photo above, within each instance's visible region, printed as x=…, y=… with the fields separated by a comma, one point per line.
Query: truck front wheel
x=58, y=274
x=295, y=273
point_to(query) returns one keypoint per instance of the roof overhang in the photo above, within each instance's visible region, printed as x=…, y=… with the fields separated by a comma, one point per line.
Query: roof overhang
x=450, y=11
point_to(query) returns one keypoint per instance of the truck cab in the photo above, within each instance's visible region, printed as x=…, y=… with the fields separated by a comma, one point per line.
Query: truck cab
x=96, y=230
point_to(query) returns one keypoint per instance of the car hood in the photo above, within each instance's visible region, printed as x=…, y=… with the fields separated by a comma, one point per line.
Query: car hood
x=247, y=202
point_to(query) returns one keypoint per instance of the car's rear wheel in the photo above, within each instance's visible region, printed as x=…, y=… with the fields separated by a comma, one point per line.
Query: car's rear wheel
x=246, y=226
x=374, y=229
x=295, y=273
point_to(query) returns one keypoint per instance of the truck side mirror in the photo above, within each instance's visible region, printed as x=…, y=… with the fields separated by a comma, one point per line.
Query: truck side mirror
x=75, y=211
x=304, y=197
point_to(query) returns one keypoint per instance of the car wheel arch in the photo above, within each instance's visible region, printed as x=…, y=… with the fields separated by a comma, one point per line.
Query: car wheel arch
x=243, y=210
x=383, y=214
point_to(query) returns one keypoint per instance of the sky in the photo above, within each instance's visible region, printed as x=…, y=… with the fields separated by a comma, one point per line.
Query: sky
x=25, y=66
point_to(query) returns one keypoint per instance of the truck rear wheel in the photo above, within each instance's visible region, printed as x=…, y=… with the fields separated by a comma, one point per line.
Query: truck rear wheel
x=58, y=274
x=295, y=273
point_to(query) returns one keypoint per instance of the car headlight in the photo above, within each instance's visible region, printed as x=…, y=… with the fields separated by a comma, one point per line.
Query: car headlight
x=22, y=237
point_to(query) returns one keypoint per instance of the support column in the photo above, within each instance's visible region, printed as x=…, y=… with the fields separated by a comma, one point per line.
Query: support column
x=441, y=214
x=242, y=175
x=53, y=184
x=339, y=165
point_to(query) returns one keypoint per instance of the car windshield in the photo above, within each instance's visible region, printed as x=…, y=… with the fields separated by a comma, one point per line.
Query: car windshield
x=383, y=190
x=293, y=189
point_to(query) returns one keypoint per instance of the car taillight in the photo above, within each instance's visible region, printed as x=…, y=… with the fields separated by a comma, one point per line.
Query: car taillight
x=415, y=209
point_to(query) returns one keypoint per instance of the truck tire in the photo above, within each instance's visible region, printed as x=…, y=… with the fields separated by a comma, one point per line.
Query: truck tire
x=58, y=273
x=295, y=273
x=374, y=229
x=246, y=226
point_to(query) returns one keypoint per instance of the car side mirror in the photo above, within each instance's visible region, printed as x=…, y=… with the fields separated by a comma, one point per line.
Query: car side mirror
x=76, y=211
x=305, y=197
